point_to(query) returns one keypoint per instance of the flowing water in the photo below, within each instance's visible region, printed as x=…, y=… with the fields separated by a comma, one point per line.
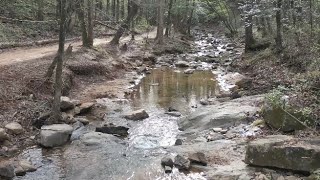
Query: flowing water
x=165, y=87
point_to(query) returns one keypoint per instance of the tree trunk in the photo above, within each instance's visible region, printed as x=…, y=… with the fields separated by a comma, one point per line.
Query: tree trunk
x=40, y=15
x=279, y=27
x=113, y=9
x=81, y=16
x=118, y=10
x=168, y=29
x=249, y=40
x=56, y=113
x=122, y=9
x=159, y=38
x=91, y=5
x=132, y=12
x=190, y=18
x=108, y=9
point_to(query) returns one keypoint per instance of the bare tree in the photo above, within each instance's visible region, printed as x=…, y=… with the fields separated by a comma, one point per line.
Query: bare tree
x=56, y=113
x=159, y=38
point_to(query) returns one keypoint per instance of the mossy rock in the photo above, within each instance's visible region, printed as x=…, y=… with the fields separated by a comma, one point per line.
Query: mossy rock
x=285, y=121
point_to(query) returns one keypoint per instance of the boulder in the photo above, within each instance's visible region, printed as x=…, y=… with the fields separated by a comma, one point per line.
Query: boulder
x=66, y=103
x=55, y=135
x=6, y=170
x=14, y=128
x=182, y=64
x=137, y=115
x=86, y=107
x=23, y=167
x=3, y=135
x=166, y=161
x=181, y=163
x=198, y=158
x=285, y=152
x=114, y=130
x=189, y=71
x=174, y=113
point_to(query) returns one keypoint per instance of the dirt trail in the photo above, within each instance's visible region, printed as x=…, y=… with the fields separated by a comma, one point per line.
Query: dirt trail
x=25, y=54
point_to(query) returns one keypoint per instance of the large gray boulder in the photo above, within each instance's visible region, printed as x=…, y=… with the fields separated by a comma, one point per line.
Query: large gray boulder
x=181, y=162
x=284, y=152
x=137, y=115
x=55, y=135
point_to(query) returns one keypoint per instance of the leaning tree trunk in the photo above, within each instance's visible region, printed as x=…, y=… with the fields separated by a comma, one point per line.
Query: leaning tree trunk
x=56, y=113
x=132, y=12
x=278, y=38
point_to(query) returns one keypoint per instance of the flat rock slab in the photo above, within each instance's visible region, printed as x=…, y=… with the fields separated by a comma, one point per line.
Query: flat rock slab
x=284, y=152
x=137, y=115
x=55, y=135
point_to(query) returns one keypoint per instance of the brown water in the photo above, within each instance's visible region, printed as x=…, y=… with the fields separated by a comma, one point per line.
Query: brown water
x=167, y=87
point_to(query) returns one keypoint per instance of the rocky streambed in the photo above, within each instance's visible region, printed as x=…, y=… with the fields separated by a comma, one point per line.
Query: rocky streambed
x=182, y=118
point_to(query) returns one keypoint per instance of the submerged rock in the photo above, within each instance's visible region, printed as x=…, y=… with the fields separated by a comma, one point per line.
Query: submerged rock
x=137, y=115
x=178, y=142
x=55, y=135
x=181, y=162
x=189, y=71
x=114, y=130
x=174, y=113
x=182, y=64
x=284, y=152
x=14, y=128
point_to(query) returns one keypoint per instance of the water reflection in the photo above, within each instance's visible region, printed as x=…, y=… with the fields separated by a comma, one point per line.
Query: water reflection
x=165, y=88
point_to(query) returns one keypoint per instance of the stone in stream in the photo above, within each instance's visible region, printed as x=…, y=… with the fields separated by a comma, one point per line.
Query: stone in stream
x=86, y=107
x=23, y=167
x=174, y=113
x=6, y=170
x=167, y=169
x=198, y=158
x=137, y=115
x=14, y=128
x=182, y=64
x=181, y=163
x=284, y=152
x=178, y=142
x=171, y=109
x=55, y=135
x=66, y=103
x=189, y=71
x=114, y=130
x=82, y=119
x=166, y=161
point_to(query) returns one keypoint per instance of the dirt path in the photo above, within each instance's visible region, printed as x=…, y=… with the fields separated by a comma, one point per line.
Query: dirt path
x=26, y=54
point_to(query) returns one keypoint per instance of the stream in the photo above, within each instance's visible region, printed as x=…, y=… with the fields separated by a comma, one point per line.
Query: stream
x=138, y=156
